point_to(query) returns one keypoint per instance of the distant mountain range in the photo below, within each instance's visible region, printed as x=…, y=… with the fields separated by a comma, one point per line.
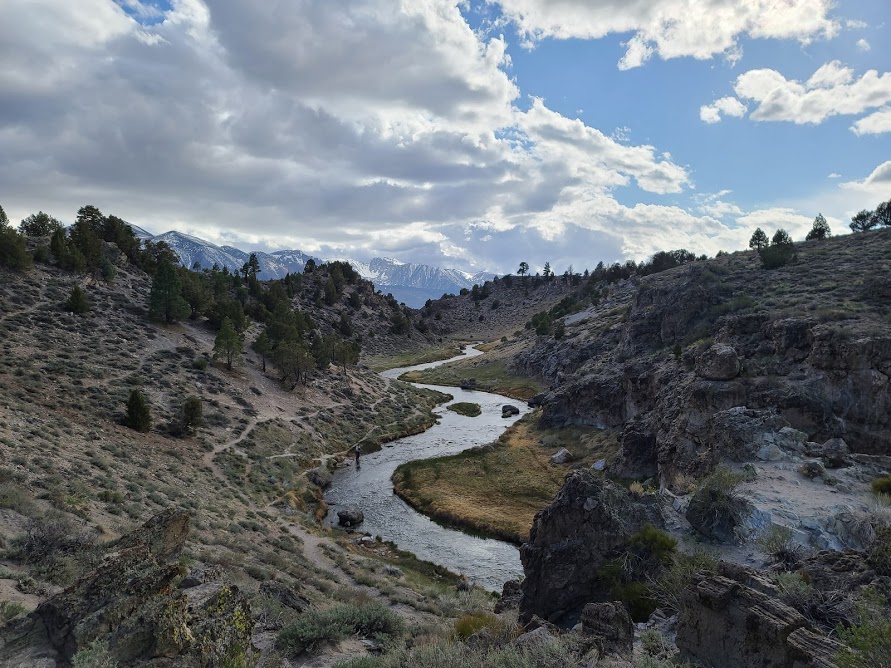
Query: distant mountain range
x=410, y=283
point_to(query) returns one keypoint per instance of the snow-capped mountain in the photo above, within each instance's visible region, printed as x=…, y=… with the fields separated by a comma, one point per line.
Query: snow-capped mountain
x=410, y=283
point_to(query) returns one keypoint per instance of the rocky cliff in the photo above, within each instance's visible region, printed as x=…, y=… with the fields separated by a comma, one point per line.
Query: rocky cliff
x=718, y=358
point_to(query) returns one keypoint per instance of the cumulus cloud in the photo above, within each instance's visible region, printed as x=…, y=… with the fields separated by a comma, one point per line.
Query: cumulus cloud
x=873, y=189
x=863, y=45
x=673, y=28
x=728, y=106
x=876, y=123
x=366, y=126
x=831, y=91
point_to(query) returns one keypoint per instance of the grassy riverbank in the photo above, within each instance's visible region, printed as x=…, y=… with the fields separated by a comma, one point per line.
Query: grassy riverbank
x=497, y=489
x=410, y=359
x=490, y=372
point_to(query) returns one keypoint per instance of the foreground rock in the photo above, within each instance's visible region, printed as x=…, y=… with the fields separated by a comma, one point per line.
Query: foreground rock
x=611, y=627
x=509, y=411
x=128, y=603
x=724, y=622
x=350, y=517
x=587, y=524
x=724, y=518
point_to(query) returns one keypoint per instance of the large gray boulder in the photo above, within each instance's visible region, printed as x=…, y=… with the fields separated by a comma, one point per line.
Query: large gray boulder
x=719, y=362
x=742, y=623
x=611, y=626
x=587, y=524
x=350, y=517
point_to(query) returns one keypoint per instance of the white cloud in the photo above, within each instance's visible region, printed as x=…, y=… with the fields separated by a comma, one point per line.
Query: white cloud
x=874, y=188
x=772, y=219
x=673, y=28
x=345, y=125
x=831, y=91
x=728, y=106
x=876, y=123
x=834, y=175
x=863, y=45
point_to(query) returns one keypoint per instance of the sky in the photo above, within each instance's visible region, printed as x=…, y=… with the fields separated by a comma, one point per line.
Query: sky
x=470, y=135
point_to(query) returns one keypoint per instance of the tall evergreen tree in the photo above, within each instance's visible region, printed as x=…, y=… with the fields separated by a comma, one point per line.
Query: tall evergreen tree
x=39, y=224
x=820, y=230
x=166, y=303
x=138, y=415
x=77, y=301
x=228, y=344
x=759, y=240
x=86, y=234
x=14, y=250
x=263, y=347
x=4, y=220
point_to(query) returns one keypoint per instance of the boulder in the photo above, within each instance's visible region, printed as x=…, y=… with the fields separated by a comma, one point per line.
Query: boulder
x=599, y=465
x=724, y=622
x=129, y=603
x=723, y=517
x=812, y=469
x=284, y=595
x=719, y=362
x=350, y=517
x=467, y=383
x=836, y=453
x=533, y=638
x=638, y=458
x=611, y=626
x=511, y=592
x=587, y=524
x=562, y=456
x=508, y=411
x=320, y=476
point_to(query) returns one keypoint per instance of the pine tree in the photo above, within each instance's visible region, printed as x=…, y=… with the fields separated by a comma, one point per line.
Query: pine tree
x=166, y=301
x=14, y=250
x=820, y=230
x=864, y=221
x=759, y=240
x=39, y=224
x=85, y=234
x=191, y=415
x=227, y=344
x=77, y=301
x=262, y=346
x=4, y=221
x=138, y=415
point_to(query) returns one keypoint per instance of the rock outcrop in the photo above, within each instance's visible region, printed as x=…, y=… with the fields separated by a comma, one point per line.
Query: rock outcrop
x=586, y=525
x=725, y=622
x=744, y=378
x=610, y=626
x=350, y=517
x=129, y=603
x=724, y=518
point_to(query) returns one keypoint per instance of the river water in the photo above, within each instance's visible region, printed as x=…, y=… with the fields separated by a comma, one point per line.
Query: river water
x=488, y=562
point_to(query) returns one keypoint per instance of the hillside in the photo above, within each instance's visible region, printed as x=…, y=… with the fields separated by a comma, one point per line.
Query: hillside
x=71, y=473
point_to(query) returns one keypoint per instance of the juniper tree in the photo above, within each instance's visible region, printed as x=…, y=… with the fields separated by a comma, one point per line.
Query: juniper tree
x=77, y=301
x=14, y=250
x=39, y=224
x=166, y=303
x=820, y=230
x=138, y=414
x=228, y=343
x=759, y=240
x=263, y=347
x=864, y=221
x=191, y=415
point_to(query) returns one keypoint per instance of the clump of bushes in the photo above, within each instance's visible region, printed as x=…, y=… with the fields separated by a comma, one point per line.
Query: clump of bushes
x=777, y=543
x=882, y=485
x=869, y=640
x=319, y=627
x=470, y=623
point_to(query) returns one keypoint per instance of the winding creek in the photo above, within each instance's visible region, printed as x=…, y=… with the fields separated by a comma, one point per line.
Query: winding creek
x=486, y=561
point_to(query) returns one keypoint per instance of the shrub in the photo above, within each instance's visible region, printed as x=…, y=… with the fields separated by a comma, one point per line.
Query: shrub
x=319, y=627
x=191, y=415
x=723, y=481
x=668, y=586
x=10, y=610
x=869, y=641
x=777, y=543
x=200, y=363
x=882, y=485
x=467, y=625
x=96, y=655
x=138, y=415
x=77, y=301
x=48, y=537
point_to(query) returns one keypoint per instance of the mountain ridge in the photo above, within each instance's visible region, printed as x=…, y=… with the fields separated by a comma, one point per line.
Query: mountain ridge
x=411, y=283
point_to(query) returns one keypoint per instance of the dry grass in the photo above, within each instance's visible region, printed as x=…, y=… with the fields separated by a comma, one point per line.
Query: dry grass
x=497, y=489
x=382, y=363
x=491, y=375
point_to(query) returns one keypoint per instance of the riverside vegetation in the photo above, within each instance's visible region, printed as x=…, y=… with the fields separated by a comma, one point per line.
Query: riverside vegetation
x=194, y=521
